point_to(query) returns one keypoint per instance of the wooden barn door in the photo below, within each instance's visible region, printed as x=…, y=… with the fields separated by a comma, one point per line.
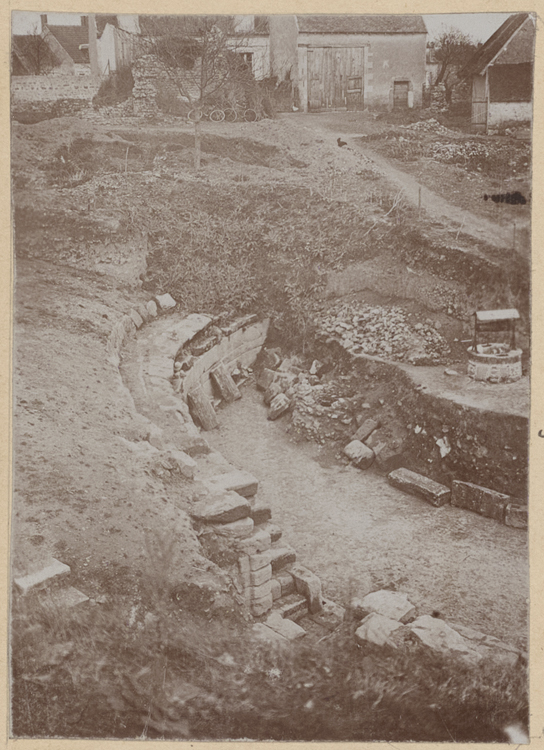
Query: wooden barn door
x=335, y=78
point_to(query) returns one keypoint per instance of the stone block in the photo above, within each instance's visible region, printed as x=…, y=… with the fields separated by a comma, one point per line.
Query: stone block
x=331, y=616
x=377, y=629
x=259, y=541
x=273, y=390
x=275, y=589
x=184, y=462
x=282, y=556
x=136, y=318
x=265, y=379
x=165, y=302
x=51, y=573
x=264, y=633
x=285, y=627
x=440, y=637
x=194, y=445
x=235, y=530
x=272, y=529
x=271, y=358
x=260, y=560
x=242, y=482
x=287, y=583
x=279, y=406
x=416, y=484
x=143, y=312
x=225, y=508
x=391, y=604
x=261, y=513
x=309, y=585
x=366, y=430
x=516, y=516
x=261, y=606
x=247, y=320
x=480, y=500
x=243, y=567
x=360, y=454
x=260, y=576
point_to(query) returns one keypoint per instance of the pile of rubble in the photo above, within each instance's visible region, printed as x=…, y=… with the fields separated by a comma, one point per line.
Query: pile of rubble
x=384, y=332
x=427, y=126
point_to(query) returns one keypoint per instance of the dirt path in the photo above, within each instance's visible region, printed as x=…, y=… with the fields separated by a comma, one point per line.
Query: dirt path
x=358, y=533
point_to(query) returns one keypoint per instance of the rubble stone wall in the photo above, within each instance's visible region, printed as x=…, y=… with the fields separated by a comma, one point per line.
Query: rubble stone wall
x=51, y=88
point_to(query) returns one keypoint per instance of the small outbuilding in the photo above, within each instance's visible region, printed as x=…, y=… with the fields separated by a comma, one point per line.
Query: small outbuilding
x=501, y=72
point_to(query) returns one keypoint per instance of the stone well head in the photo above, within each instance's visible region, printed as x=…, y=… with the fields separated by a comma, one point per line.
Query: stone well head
x=497, y=361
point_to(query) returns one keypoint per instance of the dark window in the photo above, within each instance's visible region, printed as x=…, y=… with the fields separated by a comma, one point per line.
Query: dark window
x=355, y=84
x=511, y=83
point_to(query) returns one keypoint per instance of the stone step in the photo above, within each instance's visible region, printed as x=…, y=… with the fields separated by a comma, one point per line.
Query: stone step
x=284, y=626
x=416, y=484
x=224, y=508
x=292, y=606
x=272, y=529
x=282, y=556
x=63, y=598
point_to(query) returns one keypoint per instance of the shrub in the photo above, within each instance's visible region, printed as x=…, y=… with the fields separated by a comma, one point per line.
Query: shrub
x=116, y=88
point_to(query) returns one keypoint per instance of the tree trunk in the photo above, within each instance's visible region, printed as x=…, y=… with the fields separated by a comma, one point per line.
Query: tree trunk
x=197, y=146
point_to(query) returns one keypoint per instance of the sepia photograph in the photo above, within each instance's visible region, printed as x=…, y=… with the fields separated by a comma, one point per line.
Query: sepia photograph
x=271, y=353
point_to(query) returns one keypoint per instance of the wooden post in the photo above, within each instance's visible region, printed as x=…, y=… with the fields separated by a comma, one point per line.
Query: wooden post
x=201, y=409
x=225, y=384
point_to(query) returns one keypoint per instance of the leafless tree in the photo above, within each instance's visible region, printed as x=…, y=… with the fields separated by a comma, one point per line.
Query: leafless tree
x=453, y=49
x=201, y=57
x=34, y=52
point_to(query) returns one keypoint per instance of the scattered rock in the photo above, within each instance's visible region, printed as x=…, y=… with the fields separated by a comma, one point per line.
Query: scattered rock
x=360, y=454
x=279, y=405
x=285, y=627
x=440, y=637
x=480, y=500
x=377, y=629
x=165, y=302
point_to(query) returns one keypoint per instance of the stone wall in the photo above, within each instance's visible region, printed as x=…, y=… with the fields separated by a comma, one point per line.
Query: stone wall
x=500, y=113
x=53, y=87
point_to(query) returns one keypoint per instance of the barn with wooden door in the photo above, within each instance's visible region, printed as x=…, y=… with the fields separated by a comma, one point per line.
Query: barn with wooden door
x=502, y=75
x=354, y=62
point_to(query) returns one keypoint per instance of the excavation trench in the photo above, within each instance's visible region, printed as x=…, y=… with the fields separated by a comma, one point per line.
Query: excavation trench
x=358, y=533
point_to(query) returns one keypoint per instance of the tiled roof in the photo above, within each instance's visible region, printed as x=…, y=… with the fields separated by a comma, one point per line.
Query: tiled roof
x=71, y=37
x=390, y=24
x=479, y=61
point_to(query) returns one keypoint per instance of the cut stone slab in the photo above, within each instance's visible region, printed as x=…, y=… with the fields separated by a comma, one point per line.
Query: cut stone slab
x=360, y=454
x=264, y=633
x=260, y=560
x=287, y=628
x=64, y=598
x=193, y=445
x=235, y=530
x=260, y=576
x=272, y=529
x=309, y=585
x=516, y=516
x=239, y=323
x=391, y=604
x=481, y=500
x=279, y=405
x=201, y=409
x=260, y=591
x=440, y=637
x=242, y=482
x=377, y=629
x=165, y=302
x=257, y=542
x=261, y=513
x=224, y=383
x=224, y=508
x=282, y=556
x=488, y=645
x=366, y=430
x=151, y=308
x=416, y=484
x=331, y=616
x=184, y=462
x=52, y=572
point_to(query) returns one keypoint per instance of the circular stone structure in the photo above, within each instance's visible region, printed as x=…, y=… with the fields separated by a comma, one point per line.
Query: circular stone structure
x=495, y=368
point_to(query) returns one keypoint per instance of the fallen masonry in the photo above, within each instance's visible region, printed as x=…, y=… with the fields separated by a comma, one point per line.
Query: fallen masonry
x=434, y=493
